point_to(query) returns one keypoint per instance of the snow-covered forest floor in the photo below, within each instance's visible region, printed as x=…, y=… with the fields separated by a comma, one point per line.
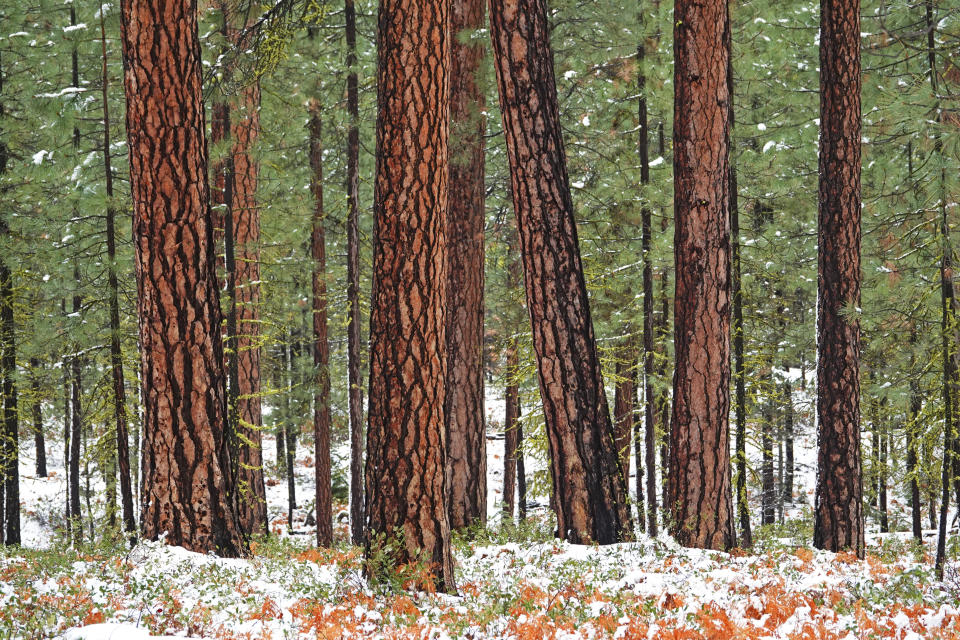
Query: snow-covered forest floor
x=514, y=582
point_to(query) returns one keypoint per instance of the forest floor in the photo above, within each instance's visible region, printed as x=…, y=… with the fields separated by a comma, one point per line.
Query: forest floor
x=514, y=582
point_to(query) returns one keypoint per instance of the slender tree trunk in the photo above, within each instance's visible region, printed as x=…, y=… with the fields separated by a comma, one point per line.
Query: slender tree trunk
x=116, y=354
x=290, y=426
x=882, y=479
x=521, y=470
x=357, y=508
x=321, y=349
x=912, y=435
x=245, y=129
x=10, y=451
x=788, y=418
x=768, y=495
x=67, y=430
x=182, y=354
x=662, y=398
x=406, y=437
x=588, y=482
x=624, y=395
x=466, y=437
x=38, y=435
x=700, y=495
x=76, y=428
x=838, y=512
x=646, y=240
x=510, y=426
x=739, y=370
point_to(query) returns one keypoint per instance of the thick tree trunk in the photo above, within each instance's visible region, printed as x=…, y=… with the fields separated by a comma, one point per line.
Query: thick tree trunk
x=38, y=435
x=186, y=459
x=700, y=496
x=116, y=354
x=588, y=482
x=838, y=513
x=357, y=509
x=321, y=349
x=510, y=425
x=466, y=437
x=406, y=437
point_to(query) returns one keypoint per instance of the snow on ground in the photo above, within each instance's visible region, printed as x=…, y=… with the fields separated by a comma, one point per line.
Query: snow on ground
x=508, y=588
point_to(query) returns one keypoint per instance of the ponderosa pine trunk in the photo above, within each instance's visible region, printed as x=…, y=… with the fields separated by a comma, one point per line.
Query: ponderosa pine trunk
x=245, y=129
x=357, y=509
x=76, y=426
x=588, y=482
x=768, y=485
x=116, y=354
x=788, y=419
x=466, y=434
x=406, y=436
x=838, y=511
x=321, y=349
x=186, y=459
x=700, y=498
x=624, y=393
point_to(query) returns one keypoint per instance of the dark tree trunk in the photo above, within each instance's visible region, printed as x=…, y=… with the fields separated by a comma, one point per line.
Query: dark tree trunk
x=510, y=425
x=521, y=469
x=624, y=396
x=466, y=437
x=289, y=425
x=739, y=370
x=67, y=429
x=838, y=513
x=10, y=451
x=874, y=496
x=700, y=495
x=38, y=435
x=589, y=486
x=912, y=436
x=186, y=457
x=116, y=354
x=882, y=480
x=649, y=415
x=406, y=436
x=357, y=508
x=662, y=397
x=788, y=417
x=768, y=493
x=321, y=349
x=76, y=429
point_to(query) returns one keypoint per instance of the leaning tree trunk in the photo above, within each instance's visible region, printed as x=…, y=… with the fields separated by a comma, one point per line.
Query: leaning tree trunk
x=321, y=349
x=186, y=459
x=116, y=355
x=406, y=437
x=838, y=511
x=466, y=437
x=699, y=492
x=588, y=482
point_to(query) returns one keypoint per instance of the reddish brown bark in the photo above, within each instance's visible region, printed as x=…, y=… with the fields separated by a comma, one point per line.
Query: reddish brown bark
x=588, y=483
x=406, y=436
x=186, y=484
x=321, y=350
x=466, y=436
x=699, y=492
x=624, y=395
x=838, y=513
